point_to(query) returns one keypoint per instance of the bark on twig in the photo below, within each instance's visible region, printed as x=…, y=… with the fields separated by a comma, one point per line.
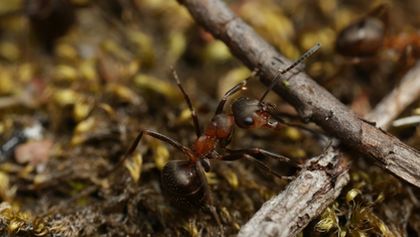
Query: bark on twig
x=403, y=95
x=315, y=187
x=313, y=190
x=311, y=100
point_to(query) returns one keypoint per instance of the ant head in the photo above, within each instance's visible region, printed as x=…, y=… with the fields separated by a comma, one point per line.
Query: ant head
x=220, y=127
x=362, y=38
x=249, y=113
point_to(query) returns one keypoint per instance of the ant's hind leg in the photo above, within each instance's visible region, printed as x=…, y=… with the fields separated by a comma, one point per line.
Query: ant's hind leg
x=156, y=135
x=216, y=217
x=127, y=154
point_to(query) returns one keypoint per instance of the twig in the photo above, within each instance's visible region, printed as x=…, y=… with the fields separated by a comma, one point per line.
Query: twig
x=406, y=93
x=311, y=100
x=303, y=199
x=307, y=196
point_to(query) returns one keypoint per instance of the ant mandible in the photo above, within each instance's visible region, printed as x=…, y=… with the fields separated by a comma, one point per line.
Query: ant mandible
x=183, y=182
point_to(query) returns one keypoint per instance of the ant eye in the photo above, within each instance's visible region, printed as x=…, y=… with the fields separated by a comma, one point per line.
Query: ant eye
x=248, y=121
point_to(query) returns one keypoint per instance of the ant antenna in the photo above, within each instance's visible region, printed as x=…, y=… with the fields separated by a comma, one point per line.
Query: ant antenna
x=306, y=55
x=240, y=86
x=190, y=106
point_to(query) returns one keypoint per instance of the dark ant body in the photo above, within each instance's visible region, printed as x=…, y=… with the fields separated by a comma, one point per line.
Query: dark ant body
x=49, y=19
x=183, y=182
x=364, y=38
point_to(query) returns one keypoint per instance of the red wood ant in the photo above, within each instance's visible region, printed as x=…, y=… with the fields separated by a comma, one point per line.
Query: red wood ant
x=183, y=181
x=364, y=38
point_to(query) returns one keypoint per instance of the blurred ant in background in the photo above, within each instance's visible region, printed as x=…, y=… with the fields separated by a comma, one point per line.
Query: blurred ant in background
x=375, y=56
x=183, y=182
x=364, y=39
x=49, y=19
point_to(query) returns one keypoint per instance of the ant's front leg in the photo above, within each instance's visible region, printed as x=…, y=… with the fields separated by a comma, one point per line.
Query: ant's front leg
x=258, y=151
x=253, y=153
x=240, y=86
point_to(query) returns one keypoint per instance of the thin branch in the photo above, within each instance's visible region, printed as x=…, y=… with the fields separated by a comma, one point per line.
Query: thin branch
x=391, y=106
x=303, y=199
x=311, y=100
x=313, y=190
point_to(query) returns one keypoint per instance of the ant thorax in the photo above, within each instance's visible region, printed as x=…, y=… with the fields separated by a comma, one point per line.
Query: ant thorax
x=221, y=126
x=204, y=145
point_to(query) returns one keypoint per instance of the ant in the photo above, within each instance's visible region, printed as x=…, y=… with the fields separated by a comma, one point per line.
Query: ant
x=363, y=39
x=183, y=182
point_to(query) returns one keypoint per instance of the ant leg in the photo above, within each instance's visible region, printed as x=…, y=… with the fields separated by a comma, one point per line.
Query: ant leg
x=170, y=141
x=156, y=135
x=315, y=133
x=268, y=168
x=279, y=120
x=190, y=106
x=240, y=86
x=319, y=135
x=240, y=155
x=258, y=151
x=302, y=58
x=213, y=212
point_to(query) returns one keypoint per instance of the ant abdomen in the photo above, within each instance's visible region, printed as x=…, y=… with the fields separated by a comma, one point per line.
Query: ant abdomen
x=363, y=38
x=184, y=184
